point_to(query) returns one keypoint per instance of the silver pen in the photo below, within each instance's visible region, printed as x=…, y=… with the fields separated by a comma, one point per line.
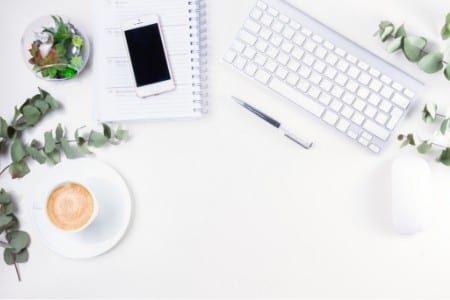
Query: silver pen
x=300, y=141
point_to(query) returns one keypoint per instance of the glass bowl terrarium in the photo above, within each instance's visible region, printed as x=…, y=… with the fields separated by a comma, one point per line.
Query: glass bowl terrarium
x=55, y=49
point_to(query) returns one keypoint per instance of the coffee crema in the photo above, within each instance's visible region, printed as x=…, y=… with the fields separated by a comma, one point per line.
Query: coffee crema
x=70, y=206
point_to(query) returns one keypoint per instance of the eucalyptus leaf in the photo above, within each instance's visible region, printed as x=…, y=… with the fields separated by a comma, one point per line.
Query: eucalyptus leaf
x=425, y=147
x=31, y=114
x=445, y=32
x=9, y=257
x=59, y=133
x=22, y=256
x=18, y=169
x=97, y=139
x=400, y=32
x=445, y=157
x=17, y=151
x=6, y=209
x=19, y=240
x=70, y=152
x=432, y=63
x=413, y=47
x=121, y=134
x=5, y=198
x=4, y=245
x=51, y=101
x=54, y=157
x=386, y=32
x=395, y=45
x=11, y=132
x=5, y=220
x=447, y=72
x=50, y=144
x=36, y=154
x=106, y=131
x=42, y=106
x=409, y=140
x=444, y=126
x=429, y=113
x=3, y=128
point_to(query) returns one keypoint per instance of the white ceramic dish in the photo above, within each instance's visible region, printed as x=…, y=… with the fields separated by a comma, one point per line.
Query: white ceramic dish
x=114, y=212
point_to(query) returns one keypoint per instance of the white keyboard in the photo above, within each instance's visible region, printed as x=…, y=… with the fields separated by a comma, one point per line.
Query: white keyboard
x=302, y=60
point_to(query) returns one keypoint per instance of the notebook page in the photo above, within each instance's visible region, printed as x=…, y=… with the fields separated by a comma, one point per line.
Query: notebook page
x=115, y=92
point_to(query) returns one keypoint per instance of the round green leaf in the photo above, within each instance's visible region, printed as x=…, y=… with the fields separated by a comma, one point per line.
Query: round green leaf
x=413, y=46
x=49, y=142
x=70, y=152
x=386, y=32
x=5, y=220
x=425, y=147
x=400, y=32
x=395, y=45
x=36, y=154
x=18, y=169
x=432, y=63
x=97, y=139
x=19, y=240
x=31, y=114
x=22, y=256
x=444, y=126
x=17, y=151
x=5, y=198
x=9, y=257
x=445, y=157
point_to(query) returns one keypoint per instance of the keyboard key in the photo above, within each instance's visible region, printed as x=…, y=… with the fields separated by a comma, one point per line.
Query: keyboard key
x=319, y=66
x=343, y=125
x=252, y=26
x=381, y=118
x=292, y=79
x=375, y=85
x=385, y=106
x=310, y=46
x=409, y=93
x=293, y=65
x=304, y=71
x=261, y=5
x=337, y=92
x=330, y=117
x=352, y=86
x=363, y=141
x=363, y=66
x=353, y=72
x=303, y=85
x=352, y=134
x=292, y=94
x=348, y=98
x=341, y=79
x=317, y=39
x=397, y=86
x=370, y=111
x=249, y=53
x=230, y=56
x=261, y=46
x=240, y=62
x=288, y=33
x=325, y=99
x=295, y=25
x=359, y=104
x=374, y=72
x=336, y=105
x=265, y=33
x=276, y=40
x=363, y=92
x=364, y=79
x=282, y=58
x=314, y=92
x=386, y=79
x=251, y=68
x=299, y=39
x=308, y=60
x=343, y=66
x=387, y=92
x=272, y=52
x=277, y=26
x=358, y=118
x=260, y=59
x=347, y=112
x=366, y=135
x=306, y=31
x=238, y=46
x=340, y=52
x=320, y=52
x=272, y=11
x=328, y=45
x=297, y=53
x=282, y=72
x=374, y=99
x=330, y=73
x=315, y=78
x=267, y=20
x=287, y=46
x=352, y=59
x=331, y=59
x=326, y=85
x=400, y=101
x=285, y=19
x=248, y=38
x=374, y=148
x=396, y=115
x=256, y=14
x=271, y=65
x=262, y=76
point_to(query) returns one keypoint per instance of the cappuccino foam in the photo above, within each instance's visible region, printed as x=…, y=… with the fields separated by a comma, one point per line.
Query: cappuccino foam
x=70, y=206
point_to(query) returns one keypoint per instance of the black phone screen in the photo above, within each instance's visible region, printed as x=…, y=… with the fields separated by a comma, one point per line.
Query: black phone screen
x=147, y=55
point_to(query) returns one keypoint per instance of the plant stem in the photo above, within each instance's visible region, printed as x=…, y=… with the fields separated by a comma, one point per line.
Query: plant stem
x=4, y=169
x=19, y=277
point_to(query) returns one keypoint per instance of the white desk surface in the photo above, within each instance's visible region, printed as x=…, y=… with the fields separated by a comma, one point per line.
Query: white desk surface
x=225, y=206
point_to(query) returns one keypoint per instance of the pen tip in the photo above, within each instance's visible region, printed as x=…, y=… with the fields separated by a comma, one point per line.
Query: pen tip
x=239, y=101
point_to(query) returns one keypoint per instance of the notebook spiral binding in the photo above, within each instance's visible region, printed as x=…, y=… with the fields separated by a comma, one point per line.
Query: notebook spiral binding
x=199, y=51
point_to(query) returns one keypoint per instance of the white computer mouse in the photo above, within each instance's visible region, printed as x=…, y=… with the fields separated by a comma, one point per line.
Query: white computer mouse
x=411, y=194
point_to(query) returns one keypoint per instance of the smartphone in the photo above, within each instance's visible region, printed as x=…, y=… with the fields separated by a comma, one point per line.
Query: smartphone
x=148, y=56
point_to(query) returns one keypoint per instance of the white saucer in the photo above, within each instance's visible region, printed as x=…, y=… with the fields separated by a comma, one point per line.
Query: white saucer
x=114, y=214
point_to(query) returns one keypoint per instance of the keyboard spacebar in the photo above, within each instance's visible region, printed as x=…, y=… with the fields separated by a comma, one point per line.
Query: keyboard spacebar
x=297, y=97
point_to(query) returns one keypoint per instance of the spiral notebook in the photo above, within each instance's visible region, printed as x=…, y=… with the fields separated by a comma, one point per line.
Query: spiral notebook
x=183, y=23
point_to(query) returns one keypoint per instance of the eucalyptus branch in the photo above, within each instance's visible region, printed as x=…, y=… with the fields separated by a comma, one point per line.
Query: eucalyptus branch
x=424, y=146
x=55, y=142
x=414, y=47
